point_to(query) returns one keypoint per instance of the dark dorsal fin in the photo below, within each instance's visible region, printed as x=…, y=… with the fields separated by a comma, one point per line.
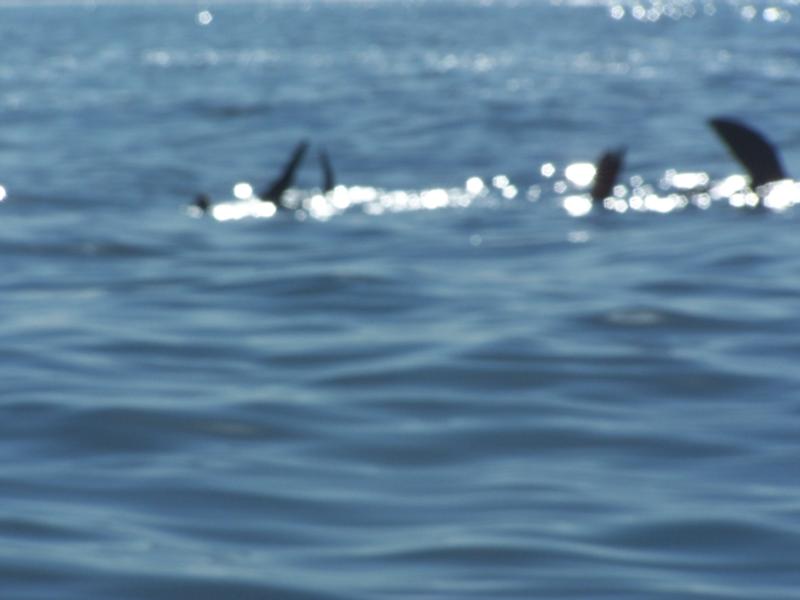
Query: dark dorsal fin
x=328, y=179
x=607, y=170
x=202, y=202
x=751, y=149
x=274, y=193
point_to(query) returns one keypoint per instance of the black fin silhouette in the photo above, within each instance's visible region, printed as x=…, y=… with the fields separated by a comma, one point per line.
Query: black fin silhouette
x=328, y=179
x=274, y=193
x=751, y=149
x=607, y=168
x=202, y=202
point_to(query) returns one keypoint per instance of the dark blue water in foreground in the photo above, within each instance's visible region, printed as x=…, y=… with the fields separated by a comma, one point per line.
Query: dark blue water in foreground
x=436, y=382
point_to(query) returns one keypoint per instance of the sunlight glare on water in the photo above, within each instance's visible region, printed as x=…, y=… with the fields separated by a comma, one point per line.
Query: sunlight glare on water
x=580, y=174
x=475, y=186
x=684, y=181
x=781, y=195
x=243, y=191
x=577, y=205
x=370, y=200
x=727, y=187
x=243, y=209
x=204, y=17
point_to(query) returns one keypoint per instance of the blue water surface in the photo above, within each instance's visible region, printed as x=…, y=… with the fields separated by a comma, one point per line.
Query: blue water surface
x=436, y=381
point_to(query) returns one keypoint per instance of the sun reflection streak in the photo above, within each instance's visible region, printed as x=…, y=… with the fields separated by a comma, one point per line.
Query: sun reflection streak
x=243, y=190
x=204, y=17
x=702, y=201
x=475, y=186
x=782, y=195
x=320, y=208
x=580, y=174
x=655, y=10
x=684, y=181
x=340, y=198
x=237, y=210
x=777, y=196
x=375, y=201
x=500, y=181
x=729, y=186
x=773, y=14
x=577, y=205
x=615, y=204
x=548, y=170
x=665, y=204
x=510, y=192
x=743, y=199
x=673, y=192
x=433, y=199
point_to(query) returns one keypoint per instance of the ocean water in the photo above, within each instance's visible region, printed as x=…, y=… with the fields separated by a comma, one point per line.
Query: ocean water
x=441, y=380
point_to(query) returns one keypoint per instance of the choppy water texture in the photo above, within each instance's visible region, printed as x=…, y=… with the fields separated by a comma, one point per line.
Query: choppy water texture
x=438, y=383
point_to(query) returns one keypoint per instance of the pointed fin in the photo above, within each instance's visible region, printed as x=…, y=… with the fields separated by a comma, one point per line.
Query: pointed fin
x=608, y=167
x=274, y=193
x=202, y=202
x=751, y=149
x=328, y=179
